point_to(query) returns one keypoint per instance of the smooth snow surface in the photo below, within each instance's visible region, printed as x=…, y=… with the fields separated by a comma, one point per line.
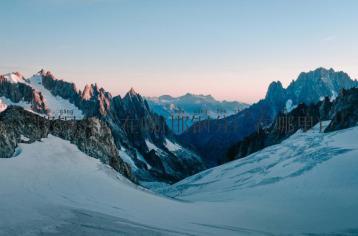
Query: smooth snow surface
x=306, y=185
x=5, y=102
x=51, y=187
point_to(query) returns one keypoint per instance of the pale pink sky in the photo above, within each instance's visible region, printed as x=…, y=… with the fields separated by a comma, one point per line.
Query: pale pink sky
x=227, y=48
x=240, y=85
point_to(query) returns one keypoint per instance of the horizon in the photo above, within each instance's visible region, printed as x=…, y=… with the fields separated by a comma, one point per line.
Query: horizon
x=171, y=95
x=232, y=51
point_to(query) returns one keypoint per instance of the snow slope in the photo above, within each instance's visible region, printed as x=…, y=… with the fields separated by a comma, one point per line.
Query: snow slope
x=51, y=187
x=5, y=102
x=307, y=184
x=56, y=104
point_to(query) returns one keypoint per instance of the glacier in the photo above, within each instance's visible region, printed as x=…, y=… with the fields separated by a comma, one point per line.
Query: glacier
x=305, y=185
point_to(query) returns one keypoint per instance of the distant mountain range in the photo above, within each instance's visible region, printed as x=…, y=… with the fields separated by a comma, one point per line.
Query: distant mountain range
x=128, y=134
x=66, y=156
x=212, y=139
x=124, y=133
x=194, y=107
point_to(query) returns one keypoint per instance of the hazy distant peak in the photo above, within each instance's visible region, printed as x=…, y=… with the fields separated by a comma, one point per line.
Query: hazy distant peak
x=165, y=97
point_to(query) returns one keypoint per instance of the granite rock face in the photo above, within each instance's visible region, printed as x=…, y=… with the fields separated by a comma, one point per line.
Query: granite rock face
x=91, y=135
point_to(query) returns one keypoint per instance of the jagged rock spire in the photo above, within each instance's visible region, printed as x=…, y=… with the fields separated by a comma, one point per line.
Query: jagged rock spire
x=132, y=92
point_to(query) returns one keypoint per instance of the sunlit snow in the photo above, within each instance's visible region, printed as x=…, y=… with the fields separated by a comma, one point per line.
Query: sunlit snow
x=308, y=184
x=56, y=104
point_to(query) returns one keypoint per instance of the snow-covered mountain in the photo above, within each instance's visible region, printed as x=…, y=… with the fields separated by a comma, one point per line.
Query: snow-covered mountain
x=31, y=94
x=309, y=88
x=141, y=137
x=52, y=188
x=342, y=111
x=191, y=105
x=69, y=176
x=305, y=185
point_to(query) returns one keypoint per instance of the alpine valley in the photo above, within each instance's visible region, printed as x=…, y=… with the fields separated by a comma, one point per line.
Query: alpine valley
x=85, y=162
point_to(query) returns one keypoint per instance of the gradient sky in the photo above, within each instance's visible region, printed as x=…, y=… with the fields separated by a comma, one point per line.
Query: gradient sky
x=230, y=49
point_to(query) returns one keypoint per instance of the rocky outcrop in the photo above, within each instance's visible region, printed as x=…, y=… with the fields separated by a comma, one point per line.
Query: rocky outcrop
x=131, y=123
x=311, y=86
x=93, y=101
x=344, y=112
x=91, y=135
x=21, y=92
x=140, y=126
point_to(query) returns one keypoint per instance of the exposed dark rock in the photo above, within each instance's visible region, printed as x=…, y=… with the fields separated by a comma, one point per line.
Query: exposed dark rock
x=344, y=111
x=18, y=92
x=130, y=121
x=309, y=88
x=91, y=135
x=302, y=117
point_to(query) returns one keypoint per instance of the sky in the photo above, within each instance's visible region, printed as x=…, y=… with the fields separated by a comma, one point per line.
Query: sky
x=231, y=49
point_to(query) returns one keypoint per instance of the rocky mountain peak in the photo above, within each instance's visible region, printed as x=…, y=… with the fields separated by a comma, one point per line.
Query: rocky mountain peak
x=165, y=97
x=87, y=92
x=129, y=120
x=275, y=90
x=92, y=91
x=42, y=72
x=134, y=100
x=131, y=91
x=133, y=97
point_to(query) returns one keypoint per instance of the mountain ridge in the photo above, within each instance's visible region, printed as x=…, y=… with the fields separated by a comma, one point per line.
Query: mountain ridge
x=132, y=124
x=213, y=144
